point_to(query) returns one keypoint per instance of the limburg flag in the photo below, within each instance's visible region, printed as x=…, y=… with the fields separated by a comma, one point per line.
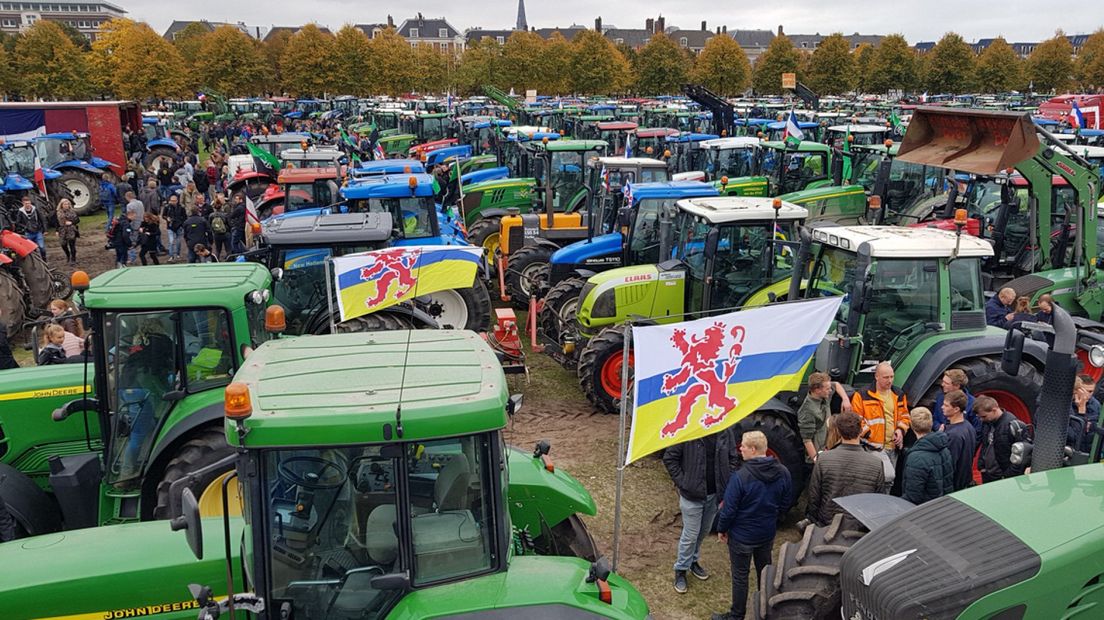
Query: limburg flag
x=370, y=281
x=701, y=377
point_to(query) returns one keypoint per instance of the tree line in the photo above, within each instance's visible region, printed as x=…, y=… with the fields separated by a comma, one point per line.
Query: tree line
x=129, y=60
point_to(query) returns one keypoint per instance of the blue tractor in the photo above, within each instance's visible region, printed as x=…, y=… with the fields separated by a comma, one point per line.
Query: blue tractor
x=17, y=165
x=158, y=142
x=70, y=154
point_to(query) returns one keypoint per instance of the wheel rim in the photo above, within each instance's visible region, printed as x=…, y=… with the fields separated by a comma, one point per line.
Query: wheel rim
x=490, y=247
x=568, y=310
x=447, y=308
x=611, y=374
x=210, y=501
x=1011, y=403
x=79, y=191
x=530, y=275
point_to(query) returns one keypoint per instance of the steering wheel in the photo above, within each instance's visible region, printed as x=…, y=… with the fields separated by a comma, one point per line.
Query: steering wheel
x=314, y=480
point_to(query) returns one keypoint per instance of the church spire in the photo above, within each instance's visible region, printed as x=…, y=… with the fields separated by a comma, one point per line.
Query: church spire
x=521, y=23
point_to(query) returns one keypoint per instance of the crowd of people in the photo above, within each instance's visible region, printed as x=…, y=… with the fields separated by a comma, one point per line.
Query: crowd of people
x=872, y=442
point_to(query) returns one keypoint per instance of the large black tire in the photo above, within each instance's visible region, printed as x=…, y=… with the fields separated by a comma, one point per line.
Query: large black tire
x=155, y=152
x=804, y=581
x=37, y=280
x=476, y=312
x=62, y=285
x=570, y=538
x=382, y=321
x=557, y=315
x=31, y=508
x=47, y=207
x=526, y=269
x=206, y=446
x=484, y=233
x=783, y=443
x=12, y=306
x=1017, y=394
x=599, y=369
x=84, y=191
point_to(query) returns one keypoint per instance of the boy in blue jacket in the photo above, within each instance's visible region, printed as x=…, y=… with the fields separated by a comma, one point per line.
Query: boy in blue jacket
x=756, y=496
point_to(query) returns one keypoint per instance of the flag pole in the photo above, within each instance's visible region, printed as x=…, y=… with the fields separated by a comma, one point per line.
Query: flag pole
x=330, y=292
x=621, y=446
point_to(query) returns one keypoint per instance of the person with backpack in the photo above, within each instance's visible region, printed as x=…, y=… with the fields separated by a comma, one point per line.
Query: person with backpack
x=199, y=177
x=118, y=238
x=197, y=231
x=220, y=229
x=174, y=215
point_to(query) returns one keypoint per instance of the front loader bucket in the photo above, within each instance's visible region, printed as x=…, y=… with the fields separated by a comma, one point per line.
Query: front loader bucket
x=978, y=141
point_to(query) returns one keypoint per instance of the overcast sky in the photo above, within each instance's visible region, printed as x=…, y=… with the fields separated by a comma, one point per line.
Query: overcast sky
x=1016, y=20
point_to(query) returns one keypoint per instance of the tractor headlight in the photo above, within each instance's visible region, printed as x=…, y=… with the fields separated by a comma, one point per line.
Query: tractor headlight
x=257, y=297
x=1096, y=355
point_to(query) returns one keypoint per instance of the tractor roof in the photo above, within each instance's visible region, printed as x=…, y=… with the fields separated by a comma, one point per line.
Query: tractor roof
x=743, y=142
x=327, y=229
x=617, y=126
x=1094, y=152
x=290, y=136
x=346, y=389
x=671, y=189
x=859, y=128
x=655, y=132
x=388, y=166
x=576, y=145
x=306, y=175
x=176, y=286
x=804, y=147
x=390, y=186
x=628, y=162
x=688, y=136
x=902, y=242
x=725, y=209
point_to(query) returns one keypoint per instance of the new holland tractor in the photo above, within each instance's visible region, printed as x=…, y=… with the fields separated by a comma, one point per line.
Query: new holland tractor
x=976, y=554
x=398, y=498
x=99, y=442
x=71, y=155
x=17, y=179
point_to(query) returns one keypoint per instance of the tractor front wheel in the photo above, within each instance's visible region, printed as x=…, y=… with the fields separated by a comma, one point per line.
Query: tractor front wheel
x=37, y=279
x=156, y=153
x=557, y=315
x=526, y=269
x=460, y=308
x=484, y=233
x=12, y=306
x=600, y=369
x=1017, y=394
x=207, y=446
x=783, y=443
x=84, y=191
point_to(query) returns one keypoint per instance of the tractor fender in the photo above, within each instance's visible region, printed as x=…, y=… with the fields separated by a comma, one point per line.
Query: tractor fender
x=584, y=273
x=416, y=316
x=542, y=242
x=28, y=504
x=163, y=142
x=538, y=496
x=943, y=354
x=17, y=183
x=489, y=213
x=1083, y=323
x=165, y=448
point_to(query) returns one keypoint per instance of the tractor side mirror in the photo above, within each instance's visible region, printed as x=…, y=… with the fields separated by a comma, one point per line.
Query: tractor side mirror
x=513, y=405
x=881, y=179
x=712, y=240
x=390, y=581
x=1013, y=352
x=188, y=520
x=624, y=217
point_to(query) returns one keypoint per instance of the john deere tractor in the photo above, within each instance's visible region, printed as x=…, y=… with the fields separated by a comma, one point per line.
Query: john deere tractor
x=394, y=498
x=142, y=411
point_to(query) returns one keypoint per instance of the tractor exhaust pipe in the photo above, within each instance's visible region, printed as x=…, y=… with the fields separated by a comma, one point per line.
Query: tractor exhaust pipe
x=1052, y=413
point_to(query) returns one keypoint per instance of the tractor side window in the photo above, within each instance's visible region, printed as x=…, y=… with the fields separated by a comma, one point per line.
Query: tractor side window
x=301, y=290
x=567, y=176
x=904, y=295
x=451, y=508
x=692, y=252
x=965, y=276
x=644, y=240
x=208, y=352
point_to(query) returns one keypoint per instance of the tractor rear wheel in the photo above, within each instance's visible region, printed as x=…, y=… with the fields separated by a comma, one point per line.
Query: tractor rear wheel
x=1017, y=395
x=12, y=306
x=37, y=279
x=376, y=322
x=157, y=152
x=783, y=443
x=557, y=315
x=804, y=581
x=484, y=233
x=526, y=269
x=599, y=369
x=206, y=446
x=461, y=308
x=83, y=190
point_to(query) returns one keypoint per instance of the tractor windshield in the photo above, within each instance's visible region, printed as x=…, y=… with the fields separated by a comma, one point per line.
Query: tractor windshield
x=902, y=298
x=148, y=356
x=834, y=272
x=307, y=195
x=793, y=171
x=54, y=151
x=567, y=177
x=433, y=129
x=338, y=517
x=18, y=160
x=644, y=239
x=154, y=131
x=732, y=163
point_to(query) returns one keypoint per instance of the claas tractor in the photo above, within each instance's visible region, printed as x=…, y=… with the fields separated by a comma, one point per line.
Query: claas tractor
x=995, y=562
x=527, y=241
x=396, y=499
x=100, y=442
x=624, y=230
x=717, y=253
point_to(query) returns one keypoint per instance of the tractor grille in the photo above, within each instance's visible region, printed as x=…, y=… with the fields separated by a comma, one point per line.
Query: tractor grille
x=958, y=555
x=967, y=320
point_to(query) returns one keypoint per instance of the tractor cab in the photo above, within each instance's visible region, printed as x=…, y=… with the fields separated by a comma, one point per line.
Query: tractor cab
x=732, y=165
x=616, y=133
x=324, y=156
x=386, y=119
x=300, y=189
x=685, y=150
x=795, y=168
x=17, y=173
x=60, y=150
x=158, y=141
x=367, y=169
x=776, y=131
x=427, y=126
x=277, y=143
x=857, y=135
x=409, y=200
x=585, y=127
x=651, y=141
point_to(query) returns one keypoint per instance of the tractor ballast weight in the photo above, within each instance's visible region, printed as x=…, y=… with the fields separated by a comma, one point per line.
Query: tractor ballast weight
x=977, y=141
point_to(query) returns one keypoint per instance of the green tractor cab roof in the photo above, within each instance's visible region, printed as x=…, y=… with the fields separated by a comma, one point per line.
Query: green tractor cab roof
x=903, y=242
x=627, y=162
x=557, y=146
x=176, y=286
x=725, y=209
x=720, y=144
x=804, y=147
x=345, y=389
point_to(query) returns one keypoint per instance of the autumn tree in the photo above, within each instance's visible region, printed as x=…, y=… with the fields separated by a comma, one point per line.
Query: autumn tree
x=951, y=66
x=523, y=60
x=393, y=63
x=480, y=65
x=189, y=40
x=780, y=57
x=1090, y=62
x=998, y=68
x=231, y=63
x=893, y=66
x=557, y=79
x=1050, y=66
x=831, y=68
x=131, y=61
x=49, y=64
x=272, y=51
x=76, y=36
x=661, y=66
x=7, y=75
x=723, y=67
x=308, y=61
x=430, y=69
x=862, y=57
x=352, y=56
x=597, y=68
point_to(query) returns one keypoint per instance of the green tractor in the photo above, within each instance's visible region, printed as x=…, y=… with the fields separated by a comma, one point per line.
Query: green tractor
x=725, y=252
x=394, y=499
x=165, y=340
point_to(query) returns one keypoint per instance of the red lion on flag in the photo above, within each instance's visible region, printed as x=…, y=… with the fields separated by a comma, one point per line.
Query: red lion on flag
x=699, y=367
x=390, y=266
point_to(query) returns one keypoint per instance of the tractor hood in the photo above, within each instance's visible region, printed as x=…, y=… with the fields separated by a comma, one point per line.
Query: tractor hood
x=16, y=183
x=555, y=495
x=490, y=186
x=115, y=571
x=576, y=253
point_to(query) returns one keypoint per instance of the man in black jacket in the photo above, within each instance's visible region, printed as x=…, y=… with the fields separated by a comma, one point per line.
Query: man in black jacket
x=700, y=469
x=929, y=473
x=197, y=230
x=237, y=223
x=995, y=460
x=30, y=222
x=844, y=470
